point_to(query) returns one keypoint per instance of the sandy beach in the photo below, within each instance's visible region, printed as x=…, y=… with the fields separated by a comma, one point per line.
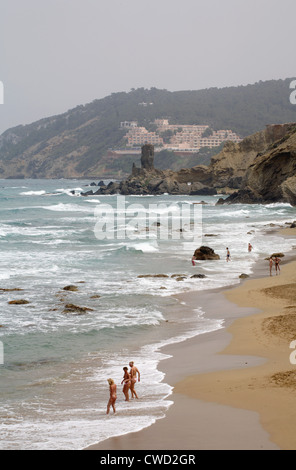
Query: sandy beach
x=234, y=389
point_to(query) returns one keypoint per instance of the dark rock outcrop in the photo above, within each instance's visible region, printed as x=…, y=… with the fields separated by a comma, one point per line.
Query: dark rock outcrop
x=71, y=288
x=71, y=308
x=205, y=253
x=150, y=180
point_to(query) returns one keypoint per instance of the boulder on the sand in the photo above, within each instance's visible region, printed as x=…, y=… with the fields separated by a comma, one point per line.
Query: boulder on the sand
x=18, y=302
x=293, y=224
x=277, y=255
x=205, y=253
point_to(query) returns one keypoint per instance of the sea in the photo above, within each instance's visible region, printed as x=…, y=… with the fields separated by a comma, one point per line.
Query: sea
x=125, y=274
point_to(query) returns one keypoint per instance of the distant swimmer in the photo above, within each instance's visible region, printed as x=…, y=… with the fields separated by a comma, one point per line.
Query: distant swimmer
x=277, y=261
x=270, y=265
x=133, y=374
x=227, y=255
x=250, y=247
x=113, y=396
x=126, y=383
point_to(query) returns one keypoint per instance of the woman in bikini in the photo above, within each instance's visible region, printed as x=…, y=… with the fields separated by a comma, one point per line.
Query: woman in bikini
x=270, y=265
x=277, y=264
x=113, y=396
x=126, y=383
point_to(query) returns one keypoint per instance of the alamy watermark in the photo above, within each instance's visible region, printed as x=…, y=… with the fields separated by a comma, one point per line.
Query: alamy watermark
x=293, y=94
x=293, y=353
x=1, y=353
x=1, y=93
x=174, y=221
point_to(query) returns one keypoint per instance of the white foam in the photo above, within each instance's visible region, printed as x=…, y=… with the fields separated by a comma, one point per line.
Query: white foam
x=33, y=193
x=61, y=207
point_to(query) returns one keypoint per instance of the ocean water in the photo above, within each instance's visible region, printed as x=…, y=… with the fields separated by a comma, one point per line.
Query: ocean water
x=54, y=388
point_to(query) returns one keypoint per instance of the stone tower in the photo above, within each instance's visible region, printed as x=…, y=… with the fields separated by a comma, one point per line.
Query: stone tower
x=147, y=157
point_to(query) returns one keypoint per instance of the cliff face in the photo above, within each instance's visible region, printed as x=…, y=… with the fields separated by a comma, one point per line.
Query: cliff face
x=228, y=168
x=272, y=175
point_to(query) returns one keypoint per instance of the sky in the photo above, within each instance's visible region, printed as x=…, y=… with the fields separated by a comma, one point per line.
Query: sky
x=57, y=54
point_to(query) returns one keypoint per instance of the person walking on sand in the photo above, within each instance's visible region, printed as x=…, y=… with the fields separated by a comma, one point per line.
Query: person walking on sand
x=227, y=255
x=113, y=396
x=277, y=261
x=133, y=374
x=270, y=266
x=126, y=383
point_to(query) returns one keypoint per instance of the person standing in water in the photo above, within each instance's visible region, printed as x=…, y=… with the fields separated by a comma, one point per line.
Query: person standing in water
x=277, y=261
x=249, y=247
x=227, y=255
x=133, y=374
x=113, y=396
x=126, y=383
x=270, y=266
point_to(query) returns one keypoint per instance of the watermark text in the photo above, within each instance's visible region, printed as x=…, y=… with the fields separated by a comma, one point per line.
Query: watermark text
x=293, y=353
x=1, y=93
x=174, y=221
x=1, y=353
x=293, y=94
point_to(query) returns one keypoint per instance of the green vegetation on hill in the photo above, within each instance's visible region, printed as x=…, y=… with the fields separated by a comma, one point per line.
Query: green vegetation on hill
x=76, y=142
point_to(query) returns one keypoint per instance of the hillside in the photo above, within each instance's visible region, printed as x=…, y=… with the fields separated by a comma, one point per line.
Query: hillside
x=75, y=144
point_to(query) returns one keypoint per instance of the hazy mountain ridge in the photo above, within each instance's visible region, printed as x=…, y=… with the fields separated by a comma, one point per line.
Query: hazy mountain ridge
x=75, y=143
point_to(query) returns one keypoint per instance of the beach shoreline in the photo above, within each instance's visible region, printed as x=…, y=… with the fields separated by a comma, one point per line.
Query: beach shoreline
x=211, y=408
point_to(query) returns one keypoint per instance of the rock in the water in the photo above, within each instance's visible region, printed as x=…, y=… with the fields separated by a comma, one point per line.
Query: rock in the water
x=243, y=276
x=205, y=253
x=70, y=308
x=71, y=288
x=10, y=290
x=18, y=302
x=198, y=276
x=153, y=275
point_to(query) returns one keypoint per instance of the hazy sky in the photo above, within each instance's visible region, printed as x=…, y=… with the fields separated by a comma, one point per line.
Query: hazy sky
x=56, y=54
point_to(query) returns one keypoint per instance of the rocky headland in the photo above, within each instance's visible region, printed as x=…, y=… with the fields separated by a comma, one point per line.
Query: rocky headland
x=271, y=177
x=261, y=168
